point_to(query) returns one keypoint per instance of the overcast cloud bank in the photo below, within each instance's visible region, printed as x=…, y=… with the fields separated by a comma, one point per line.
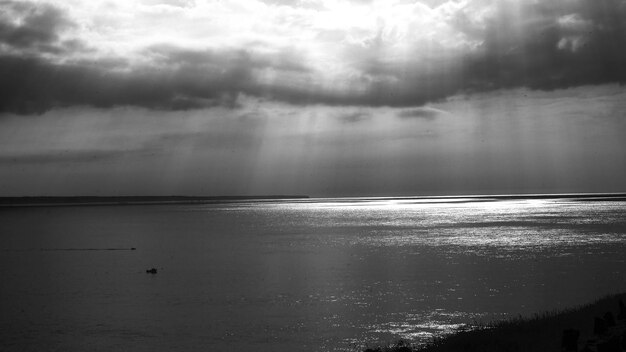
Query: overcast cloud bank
x=181, y=55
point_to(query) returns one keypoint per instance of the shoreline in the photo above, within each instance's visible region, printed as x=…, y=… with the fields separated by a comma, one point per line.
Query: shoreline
x=540, y=332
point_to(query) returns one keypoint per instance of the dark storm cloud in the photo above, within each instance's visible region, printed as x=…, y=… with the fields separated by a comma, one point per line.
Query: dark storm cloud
x=546, y=45
x=31, y=85
x=552, y=44
x=30, y=26
x=178, y=80
x=543, y=45
x=203, y=60
x=540, y=45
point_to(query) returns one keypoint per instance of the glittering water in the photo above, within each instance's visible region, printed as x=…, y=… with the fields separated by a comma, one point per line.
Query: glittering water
x=314, y=275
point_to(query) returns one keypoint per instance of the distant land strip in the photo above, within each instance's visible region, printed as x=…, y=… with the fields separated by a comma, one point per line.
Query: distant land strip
x=68, y=249
x=135, y=200
x=87, y=249
x=578, y=196
x=155, y=200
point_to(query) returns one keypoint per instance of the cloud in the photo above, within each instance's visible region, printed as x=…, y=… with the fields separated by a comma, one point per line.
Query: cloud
x=27, y=26
x=515, y=140
x=34, y=86
x=401, y=53
x=312, y=4
x=356, y=116
x=65, y=156
x=425, y=113
x=86, y=135
x=205, y=140
x=549, y=46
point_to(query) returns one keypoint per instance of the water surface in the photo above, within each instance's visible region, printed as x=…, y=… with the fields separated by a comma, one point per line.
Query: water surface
x=298, y=275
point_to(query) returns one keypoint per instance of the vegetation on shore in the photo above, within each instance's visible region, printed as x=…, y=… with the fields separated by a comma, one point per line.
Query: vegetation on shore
x=542, y=332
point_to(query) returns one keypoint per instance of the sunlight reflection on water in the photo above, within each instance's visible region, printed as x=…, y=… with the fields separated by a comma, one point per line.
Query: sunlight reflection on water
x=501, y=229
x=435, y=222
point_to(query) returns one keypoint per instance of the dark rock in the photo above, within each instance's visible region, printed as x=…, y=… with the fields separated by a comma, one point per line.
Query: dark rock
x=151, y=271
x=569, y=342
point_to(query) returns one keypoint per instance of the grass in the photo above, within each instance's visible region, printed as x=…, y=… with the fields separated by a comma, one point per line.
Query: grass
x=542, y=332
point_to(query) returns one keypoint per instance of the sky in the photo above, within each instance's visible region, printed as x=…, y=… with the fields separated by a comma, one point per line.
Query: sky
x=315, y=97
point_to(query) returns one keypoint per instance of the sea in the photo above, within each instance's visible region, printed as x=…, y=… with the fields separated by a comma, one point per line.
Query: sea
x=313, y=274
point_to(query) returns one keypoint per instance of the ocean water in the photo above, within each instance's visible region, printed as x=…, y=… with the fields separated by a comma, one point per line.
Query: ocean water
x=299, y=275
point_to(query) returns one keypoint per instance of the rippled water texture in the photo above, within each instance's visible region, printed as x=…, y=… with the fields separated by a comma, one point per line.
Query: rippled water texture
x=314, y=275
